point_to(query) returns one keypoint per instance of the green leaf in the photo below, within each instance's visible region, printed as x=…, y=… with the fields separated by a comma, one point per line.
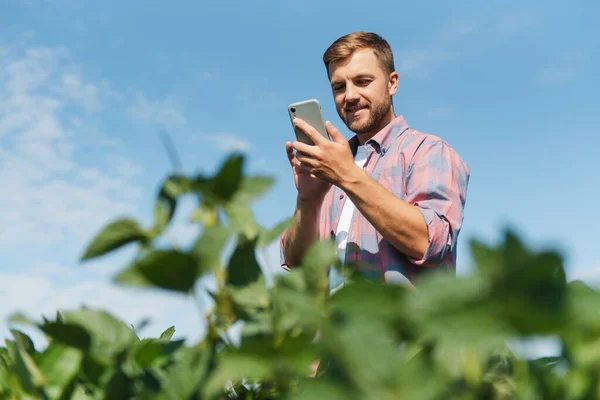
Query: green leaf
x=69, y=334
x=166, y=269
x=268, y=236
x=185, y=374
x=151, y=352
x=206, y=214
x=235, y=367
x=60, y=364
x=319, y=257
x=164, y=209
x=241, y=219
x=243, y=266
x=109, y=336
x=253, y=187
x=30, y=376
x=114, y=236
x=168, y=334
x=229, y=178
x=176, y=186
x=24, y=341
x=209, y=247
x=322, y=389
x=250, y=299
x=119, y=387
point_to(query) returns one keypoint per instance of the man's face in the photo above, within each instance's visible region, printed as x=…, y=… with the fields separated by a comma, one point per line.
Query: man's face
x=362, y=92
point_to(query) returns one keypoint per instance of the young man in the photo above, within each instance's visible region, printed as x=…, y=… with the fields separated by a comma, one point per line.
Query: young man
x=392, y=197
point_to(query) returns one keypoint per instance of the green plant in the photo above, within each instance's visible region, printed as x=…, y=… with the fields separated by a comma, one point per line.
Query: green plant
x=445, y=340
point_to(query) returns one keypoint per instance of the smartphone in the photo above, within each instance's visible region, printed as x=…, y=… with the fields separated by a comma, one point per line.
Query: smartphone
x=309, y=111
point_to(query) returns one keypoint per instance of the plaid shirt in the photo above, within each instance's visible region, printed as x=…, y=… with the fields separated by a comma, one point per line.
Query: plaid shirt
x=422, y=170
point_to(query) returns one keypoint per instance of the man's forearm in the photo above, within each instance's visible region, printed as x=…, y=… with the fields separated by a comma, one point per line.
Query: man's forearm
x=399, y=222
x=303, y=232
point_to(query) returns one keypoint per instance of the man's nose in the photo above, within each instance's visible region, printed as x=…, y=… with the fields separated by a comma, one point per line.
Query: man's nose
x=351, y=94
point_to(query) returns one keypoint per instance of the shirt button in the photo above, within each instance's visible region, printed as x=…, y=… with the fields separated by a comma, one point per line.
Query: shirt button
x=341, y=196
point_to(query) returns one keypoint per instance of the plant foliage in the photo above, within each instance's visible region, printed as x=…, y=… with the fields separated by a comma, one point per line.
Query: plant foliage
x=448, y=339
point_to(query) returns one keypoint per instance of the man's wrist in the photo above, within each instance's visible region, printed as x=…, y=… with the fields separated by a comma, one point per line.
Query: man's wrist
x=350, y=180
x=309, y=204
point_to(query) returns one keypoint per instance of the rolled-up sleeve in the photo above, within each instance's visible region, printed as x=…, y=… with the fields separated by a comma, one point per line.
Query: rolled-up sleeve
x=436, y=183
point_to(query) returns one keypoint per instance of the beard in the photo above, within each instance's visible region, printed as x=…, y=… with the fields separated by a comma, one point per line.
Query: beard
x=370, y=123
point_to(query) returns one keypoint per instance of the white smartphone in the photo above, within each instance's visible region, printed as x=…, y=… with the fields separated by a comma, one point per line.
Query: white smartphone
x=309, y=111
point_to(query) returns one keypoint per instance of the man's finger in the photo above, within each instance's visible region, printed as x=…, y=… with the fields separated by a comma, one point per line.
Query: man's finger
x=305, y=148
x=335, y=134
x=289, y=149
x=311, y=132
x=305, y=159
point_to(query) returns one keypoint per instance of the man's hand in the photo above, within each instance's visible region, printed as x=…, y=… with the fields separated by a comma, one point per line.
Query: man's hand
x=331, y=161
x=310, y=188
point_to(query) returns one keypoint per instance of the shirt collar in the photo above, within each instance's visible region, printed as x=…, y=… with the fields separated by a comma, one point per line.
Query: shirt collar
x=384, y=138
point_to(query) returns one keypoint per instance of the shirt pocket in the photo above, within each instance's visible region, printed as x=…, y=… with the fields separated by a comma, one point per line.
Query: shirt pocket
x=392, y=179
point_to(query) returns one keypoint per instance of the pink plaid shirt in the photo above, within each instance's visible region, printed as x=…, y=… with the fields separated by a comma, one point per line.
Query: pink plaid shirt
x=422, y=170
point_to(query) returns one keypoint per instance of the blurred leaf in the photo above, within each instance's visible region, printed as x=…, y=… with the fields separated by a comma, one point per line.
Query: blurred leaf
x=79, y=393
x=243, y=268
x=150, y=352
x=24, y=341
x=253, y=187
x=176, y=186
x=319, y=257
x=119, y=387
x=166, y=269
x=229, y=178
x=185, y=374
x=384, y=303
x=206, y=215
x=60, y=364
x=114, y=236
x=22, y=319
x=457, y=309
x=235, y=366
x=268, y=236
x=209, y=247
x=30, y=376
x=323, y=389
x=250, y=299
x=241, y=219
x=583, y=306
x=70, y=334
x=168, y=334
x=109, y=336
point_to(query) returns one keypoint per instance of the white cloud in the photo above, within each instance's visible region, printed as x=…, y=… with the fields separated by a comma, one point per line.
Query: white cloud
x=56, y=197
x=44, y=103
x=162, y=112
x=39, y=295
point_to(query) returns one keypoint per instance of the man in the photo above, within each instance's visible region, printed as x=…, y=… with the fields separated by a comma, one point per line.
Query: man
x=392, y=197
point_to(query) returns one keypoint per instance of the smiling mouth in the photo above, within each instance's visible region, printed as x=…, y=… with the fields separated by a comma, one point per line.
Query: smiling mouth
x=355, y=110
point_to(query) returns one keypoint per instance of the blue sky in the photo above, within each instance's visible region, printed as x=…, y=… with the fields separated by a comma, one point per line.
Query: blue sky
x=85, y=87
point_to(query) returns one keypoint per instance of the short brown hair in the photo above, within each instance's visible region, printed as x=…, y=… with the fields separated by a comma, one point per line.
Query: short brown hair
x=345, y=46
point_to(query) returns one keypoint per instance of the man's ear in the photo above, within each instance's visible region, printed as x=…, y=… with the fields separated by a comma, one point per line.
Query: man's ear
x=393, y=83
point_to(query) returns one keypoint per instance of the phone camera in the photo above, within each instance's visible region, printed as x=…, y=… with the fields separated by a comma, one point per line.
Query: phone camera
x=293, y=109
